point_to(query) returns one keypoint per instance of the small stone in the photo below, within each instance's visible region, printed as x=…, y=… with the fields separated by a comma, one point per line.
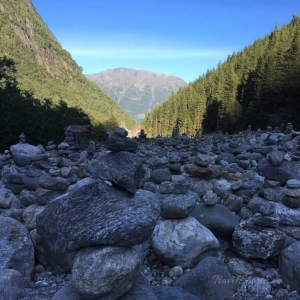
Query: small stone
x=5, y=201
x=293, y=184
x=176, y=272
x=210, y=198
x=291, y=202
x=291, y=192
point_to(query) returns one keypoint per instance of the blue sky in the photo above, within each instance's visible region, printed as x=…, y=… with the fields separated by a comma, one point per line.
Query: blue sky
x=173, y=37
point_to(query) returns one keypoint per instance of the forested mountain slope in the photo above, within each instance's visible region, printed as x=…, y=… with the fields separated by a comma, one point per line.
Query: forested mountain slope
x=257, y=86
x=45, y=68
x=137, y=91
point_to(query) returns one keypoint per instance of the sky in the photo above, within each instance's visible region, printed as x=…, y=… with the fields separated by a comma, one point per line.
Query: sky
x=183, y=38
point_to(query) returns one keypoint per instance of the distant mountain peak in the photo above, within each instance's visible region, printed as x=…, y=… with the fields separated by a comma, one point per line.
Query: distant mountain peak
x=137, y=91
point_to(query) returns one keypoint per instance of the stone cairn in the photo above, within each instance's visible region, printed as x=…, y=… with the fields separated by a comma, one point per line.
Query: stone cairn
x=106, y=219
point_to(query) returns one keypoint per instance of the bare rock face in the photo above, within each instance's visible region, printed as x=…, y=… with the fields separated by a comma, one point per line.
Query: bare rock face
x=105, y=271
x=98, y=214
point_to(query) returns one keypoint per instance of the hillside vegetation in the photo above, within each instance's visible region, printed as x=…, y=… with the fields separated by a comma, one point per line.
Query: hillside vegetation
x=257, y=86
x=47, y=70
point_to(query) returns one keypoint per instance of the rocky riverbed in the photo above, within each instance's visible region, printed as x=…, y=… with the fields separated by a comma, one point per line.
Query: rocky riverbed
x=215, y=217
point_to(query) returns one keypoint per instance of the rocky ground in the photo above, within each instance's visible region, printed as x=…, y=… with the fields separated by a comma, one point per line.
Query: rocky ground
x=216, y=218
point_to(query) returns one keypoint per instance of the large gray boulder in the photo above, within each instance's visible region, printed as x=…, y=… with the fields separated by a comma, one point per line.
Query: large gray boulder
x=123, y=169
x=24, y=150
x=183, y=242
x=16, y=248
x=257, y=242
x=289, y=265
x=12, y=285
x=217, y=218
x=106, y=272
x=286, y=171
x=208, y=280
x=98, y=214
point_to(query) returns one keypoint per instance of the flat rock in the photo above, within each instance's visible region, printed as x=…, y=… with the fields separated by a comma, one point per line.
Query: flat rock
x=55, y=183
x=98, y=214
x=123, y=169
x=175, y=206
x=217, y=218
x=116, y=143
x=201, y=172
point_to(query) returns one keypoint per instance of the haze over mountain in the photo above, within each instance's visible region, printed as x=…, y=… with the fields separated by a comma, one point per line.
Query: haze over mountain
x=137, y=91
x=45, y=68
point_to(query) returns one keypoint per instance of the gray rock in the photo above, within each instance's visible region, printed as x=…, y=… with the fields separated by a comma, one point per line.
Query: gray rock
x=122, y=169
x=141, y=289
x=294, y=192
x=121, y=132
x=210, y=198
x=233, y=202
x=161, y=175
x=293, y=184
x=116, y=143
x=67, y=292
x=208, y=280
x=44, y=196
x=275, y=158
x=29, y=216
x=172, y=293
x=200, y=186
x=286, y=171
x=24, y=150
x=239, y=267
x=166, y=187
x=47, y=257
x=98, y=214
x=254, y=243
x=287, y=216
x=217, y=218
x=12, y=285
x=273, y=194
x=106, y=272
x=181, y=185
x=228, y=157
x=175, y=206
x=55, y=183
x=222, y=188
x=183, y=242
x=16, y=248
x=256, y=287
x=289, y=265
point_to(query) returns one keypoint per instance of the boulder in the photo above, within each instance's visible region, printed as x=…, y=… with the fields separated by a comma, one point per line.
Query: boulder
x=257, y=242
x=106, y=272
x=183, y=242
x=122, y=169
x=12, y=285
x=116, y=143
x=289, y=265
x=98, y=213
x=217, y=218
x=24, y=150
x=208, y=280
x=16, y=248
x=175, y=206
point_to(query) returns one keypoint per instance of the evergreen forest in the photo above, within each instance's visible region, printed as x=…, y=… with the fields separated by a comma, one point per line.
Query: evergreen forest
x=258, y=86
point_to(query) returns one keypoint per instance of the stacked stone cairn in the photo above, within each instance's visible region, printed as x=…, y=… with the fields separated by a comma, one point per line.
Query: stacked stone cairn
x=102, y=224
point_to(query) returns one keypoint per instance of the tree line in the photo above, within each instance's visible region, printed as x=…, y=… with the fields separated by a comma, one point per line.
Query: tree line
x=258, y=86
x=40, y=120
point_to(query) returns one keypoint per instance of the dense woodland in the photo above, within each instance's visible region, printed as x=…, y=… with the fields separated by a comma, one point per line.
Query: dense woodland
x=257, y=86
x=45, y=68
x=40, y=120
